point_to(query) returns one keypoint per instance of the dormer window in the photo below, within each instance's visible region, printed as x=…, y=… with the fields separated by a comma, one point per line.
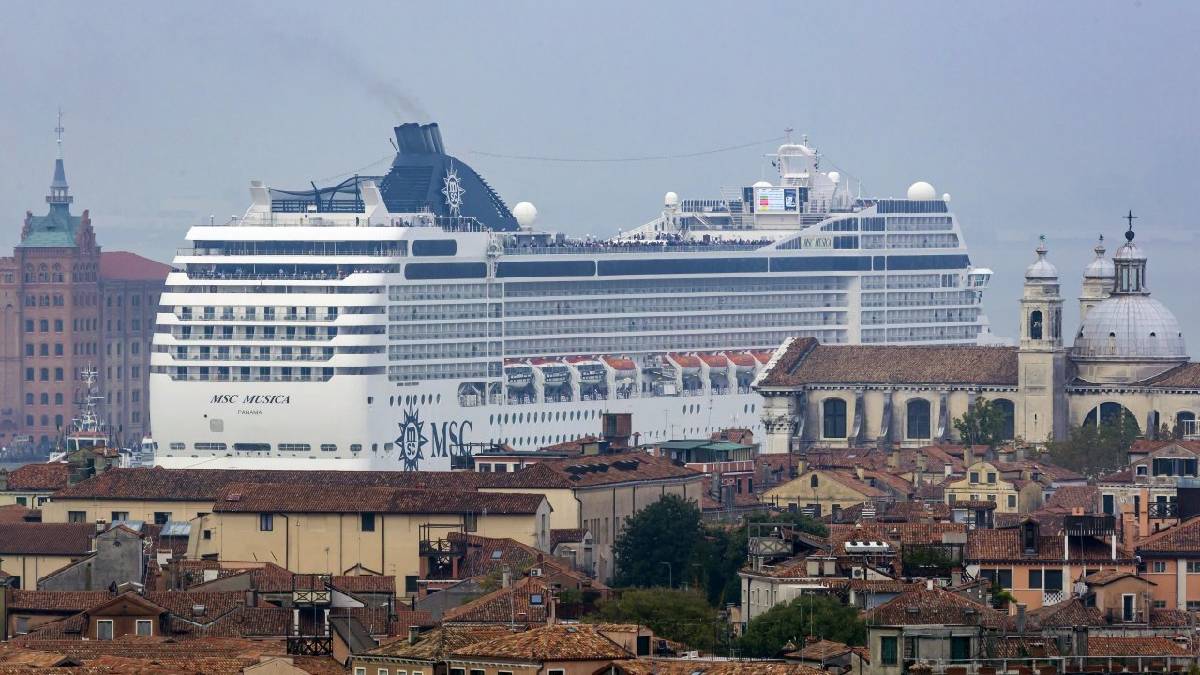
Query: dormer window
x=1029, y=537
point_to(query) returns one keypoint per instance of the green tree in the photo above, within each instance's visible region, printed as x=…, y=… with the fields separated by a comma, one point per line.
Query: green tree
x=658, y=543
x=1094, y=449
x=722, y=553
x=819, y=615
x=679, y=615
x=984, y=424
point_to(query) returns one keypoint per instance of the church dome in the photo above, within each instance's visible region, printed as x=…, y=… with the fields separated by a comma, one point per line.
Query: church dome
x=1130, y=327
x=1129, y=336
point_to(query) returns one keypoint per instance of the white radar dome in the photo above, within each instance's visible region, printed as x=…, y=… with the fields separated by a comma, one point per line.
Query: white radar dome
x=835, y=176
x=525, y=213
x=921, y=191
x=670, y=200
x=946, y=197
x=761, y=183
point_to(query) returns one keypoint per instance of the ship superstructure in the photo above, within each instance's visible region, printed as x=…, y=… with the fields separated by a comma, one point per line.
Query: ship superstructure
x=403, y=320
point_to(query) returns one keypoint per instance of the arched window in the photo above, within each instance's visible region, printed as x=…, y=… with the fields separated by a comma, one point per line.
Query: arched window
x=1185, y=423
x=833, y=418
x=1005, y=406
x=813, y=481
x=918, y=419
x=1035, y=325
x=1107, y=413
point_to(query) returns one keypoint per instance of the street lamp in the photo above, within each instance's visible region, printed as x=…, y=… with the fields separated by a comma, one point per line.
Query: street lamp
x=670, y=577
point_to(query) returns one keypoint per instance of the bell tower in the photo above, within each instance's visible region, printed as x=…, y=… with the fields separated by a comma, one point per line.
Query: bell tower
x=1041, y=358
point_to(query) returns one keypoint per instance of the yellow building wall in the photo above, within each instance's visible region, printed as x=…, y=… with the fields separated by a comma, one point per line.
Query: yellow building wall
x=33, y=567
x=57, y=510
x=32, y=499
x=999, y=492
x=318, y=543
x=565, y=513
x=828, y=492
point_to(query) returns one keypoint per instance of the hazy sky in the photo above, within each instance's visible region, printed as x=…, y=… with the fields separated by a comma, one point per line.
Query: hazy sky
x=1049, y=118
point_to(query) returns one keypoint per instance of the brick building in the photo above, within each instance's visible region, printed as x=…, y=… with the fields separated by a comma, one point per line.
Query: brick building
x=67, y=307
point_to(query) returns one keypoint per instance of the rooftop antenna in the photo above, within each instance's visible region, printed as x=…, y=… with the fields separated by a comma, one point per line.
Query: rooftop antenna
x=58, y=131
x=393, y=142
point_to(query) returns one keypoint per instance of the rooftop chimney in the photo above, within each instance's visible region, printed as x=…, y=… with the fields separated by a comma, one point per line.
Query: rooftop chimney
x=413, y=633
x=1020, y=617
x=968, y=456
x=506, y=578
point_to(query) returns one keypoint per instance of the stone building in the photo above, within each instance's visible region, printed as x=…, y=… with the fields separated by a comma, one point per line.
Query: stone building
x=1128, y=355
x=67, y=307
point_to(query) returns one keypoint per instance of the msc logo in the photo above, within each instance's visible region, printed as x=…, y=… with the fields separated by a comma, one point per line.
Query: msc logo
x=411, y=441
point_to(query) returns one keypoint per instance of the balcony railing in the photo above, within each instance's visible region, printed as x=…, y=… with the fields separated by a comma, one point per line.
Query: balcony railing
x=1163, y=510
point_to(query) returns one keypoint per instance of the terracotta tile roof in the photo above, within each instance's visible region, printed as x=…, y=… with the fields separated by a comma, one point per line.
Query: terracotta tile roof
x=806, y=361
x=1086, y=497
x=181, y=603
x=926, y=606
x=1005, y=544
x=903, y=534
x=506, y=605
x=436, y=644
x=1171, y=618
x=165, y=654
x=206, y=484
x=1011, y=647
x=882, y=585
x=57, y=601
x=574, y=642
x=820, y=650
x=849, y=480
x=567, y=536
x=1184, y=539
x=1186, y=376
x=14, y=513
x=595, y=470
x=693, y=667
x=289, y=498
x=1135, y=646
x=1105, y=577
x=126, y=266
x=1061, y=615
x=39, y=477
x=66, y=539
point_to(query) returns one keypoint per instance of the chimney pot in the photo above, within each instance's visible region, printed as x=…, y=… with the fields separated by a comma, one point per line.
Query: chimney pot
x=413, y=633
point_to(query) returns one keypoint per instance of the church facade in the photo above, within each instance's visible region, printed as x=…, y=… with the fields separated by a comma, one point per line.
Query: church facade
x=1127, y=355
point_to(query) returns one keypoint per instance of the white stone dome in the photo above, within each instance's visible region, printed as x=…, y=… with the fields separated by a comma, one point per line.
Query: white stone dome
x=1100, y=267
x=1041, y=268
x=1130, y=327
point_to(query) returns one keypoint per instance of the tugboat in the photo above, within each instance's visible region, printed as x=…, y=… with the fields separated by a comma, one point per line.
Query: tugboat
x=87, y=446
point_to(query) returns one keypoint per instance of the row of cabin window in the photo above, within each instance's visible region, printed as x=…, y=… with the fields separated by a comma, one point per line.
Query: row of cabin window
x=917, y=418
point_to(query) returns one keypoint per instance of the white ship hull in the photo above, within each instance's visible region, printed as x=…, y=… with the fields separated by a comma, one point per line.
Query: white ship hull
x=421, y=429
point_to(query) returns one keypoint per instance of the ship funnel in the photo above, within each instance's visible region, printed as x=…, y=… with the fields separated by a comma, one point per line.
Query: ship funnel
x=419, y=139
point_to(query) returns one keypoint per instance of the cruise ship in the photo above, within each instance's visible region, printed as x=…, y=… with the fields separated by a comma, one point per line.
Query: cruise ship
x=410, y=320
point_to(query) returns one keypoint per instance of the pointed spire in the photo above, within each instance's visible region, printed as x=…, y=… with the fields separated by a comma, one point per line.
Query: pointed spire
x=1100, y=250
x=59, y=191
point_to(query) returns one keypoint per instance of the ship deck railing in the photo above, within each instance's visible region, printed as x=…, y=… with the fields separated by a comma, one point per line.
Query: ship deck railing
x=636, y=247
